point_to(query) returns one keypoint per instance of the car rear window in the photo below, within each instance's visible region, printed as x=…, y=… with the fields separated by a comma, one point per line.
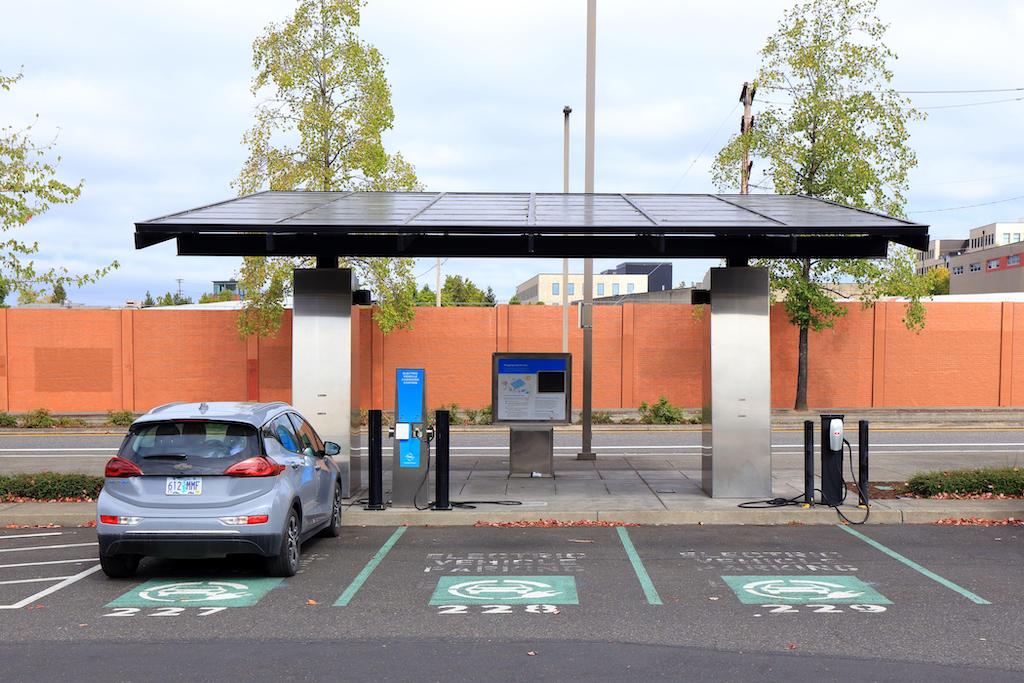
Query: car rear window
x=189, y=447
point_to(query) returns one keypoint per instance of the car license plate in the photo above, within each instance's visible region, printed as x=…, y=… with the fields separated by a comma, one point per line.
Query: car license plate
x=184, y=486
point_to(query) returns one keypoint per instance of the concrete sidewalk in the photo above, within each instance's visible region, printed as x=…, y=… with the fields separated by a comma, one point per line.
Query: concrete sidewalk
x=645, y=489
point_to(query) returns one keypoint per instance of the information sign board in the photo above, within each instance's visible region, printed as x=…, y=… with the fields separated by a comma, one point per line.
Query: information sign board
x=531, y=387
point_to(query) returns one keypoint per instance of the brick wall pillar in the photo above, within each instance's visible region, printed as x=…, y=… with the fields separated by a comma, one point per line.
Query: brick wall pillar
x=252, y=368
x=5, y=404
x=501, y=323
x=1006, y=355
x=128, y=360
x=628, y=359
x=878, y=356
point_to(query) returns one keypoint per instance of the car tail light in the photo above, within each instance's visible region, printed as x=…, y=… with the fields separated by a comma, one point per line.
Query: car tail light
x=119, y=467
x=260, y=466
x=123, y=521
x=245, y=519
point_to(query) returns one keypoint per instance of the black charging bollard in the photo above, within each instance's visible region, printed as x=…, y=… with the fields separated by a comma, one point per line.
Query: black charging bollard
x=862, y=463
x=808, y=463
x=442, y=448
x=831, y=464
x=376, y=499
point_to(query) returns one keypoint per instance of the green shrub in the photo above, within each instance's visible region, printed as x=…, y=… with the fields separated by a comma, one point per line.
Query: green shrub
x=485, y=417
x=124, y=418
x=50, y=486
x=472, y=416
x=1008, y=481
x=600, y=418
x=8, y=420
x=68, y=422
x=40, y=418
x=660, y=413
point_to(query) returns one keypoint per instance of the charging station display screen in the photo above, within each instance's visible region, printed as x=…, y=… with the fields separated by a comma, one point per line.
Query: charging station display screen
x=532, y=387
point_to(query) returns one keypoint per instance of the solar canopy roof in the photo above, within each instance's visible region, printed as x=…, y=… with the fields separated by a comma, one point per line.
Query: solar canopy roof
x=276, y=223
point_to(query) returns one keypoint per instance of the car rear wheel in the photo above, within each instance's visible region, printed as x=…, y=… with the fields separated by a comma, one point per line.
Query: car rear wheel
x=120, y=566
x=333, y=529
x=286, y=562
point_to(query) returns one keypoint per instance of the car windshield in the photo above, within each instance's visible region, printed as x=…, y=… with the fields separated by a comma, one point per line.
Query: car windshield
x=189, y=447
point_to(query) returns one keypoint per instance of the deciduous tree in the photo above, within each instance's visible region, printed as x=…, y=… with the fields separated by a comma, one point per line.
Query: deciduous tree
x=28, y=187
x=327, y=102
x=841, y=134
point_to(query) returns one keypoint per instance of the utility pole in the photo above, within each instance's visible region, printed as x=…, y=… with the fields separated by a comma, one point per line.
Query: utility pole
x=437, y=295
x=565, y=262
x=587, y=312
x=746, y=125
x=179, y=281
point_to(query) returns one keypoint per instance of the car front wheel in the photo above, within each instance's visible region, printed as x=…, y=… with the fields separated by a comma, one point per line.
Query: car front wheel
x=286, y=562
x=333, y=529
x=119, y=566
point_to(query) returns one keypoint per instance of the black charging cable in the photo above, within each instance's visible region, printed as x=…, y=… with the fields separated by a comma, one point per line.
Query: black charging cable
x=463, y=504
x=799, y=499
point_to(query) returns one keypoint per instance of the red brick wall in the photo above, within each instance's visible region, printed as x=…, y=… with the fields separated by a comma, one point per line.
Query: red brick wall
x=96, y=360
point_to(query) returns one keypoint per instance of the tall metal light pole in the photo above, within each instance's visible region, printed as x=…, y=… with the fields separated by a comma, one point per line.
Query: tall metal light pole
x=587, y=452
x=565, y=262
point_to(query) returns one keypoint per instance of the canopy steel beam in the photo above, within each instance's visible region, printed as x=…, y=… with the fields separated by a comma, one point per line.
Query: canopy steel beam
x=534, y=245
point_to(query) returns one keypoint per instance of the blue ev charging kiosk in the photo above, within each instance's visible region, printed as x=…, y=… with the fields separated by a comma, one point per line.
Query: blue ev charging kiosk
x=411, y=438
x=531, y=392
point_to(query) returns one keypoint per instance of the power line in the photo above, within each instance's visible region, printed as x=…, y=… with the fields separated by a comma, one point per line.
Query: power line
x=430, y=269
x=907, y=92
x=972, y=104
x=704, y=148
x=970, y=206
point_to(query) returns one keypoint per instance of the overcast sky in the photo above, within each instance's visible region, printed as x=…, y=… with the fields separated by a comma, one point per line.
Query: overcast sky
x=149, y=100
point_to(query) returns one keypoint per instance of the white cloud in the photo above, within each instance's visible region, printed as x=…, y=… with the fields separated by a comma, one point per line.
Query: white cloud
x=149, y=102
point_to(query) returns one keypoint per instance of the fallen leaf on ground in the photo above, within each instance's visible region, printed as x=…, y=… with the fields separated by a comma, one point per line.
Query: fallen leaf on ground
x=311, y=602
x=551, y=523
x=791, y=646
x=531, y=653
x=978, y=521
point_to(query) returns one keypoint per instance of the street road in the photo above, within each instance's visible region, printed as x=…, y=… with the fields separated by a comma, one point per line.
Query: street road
x=909, y=603
x=88, y=453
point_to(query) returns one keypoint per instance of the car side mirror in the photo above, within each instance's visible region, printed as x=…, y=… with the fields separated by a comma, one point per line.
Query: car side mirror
x=331, y=448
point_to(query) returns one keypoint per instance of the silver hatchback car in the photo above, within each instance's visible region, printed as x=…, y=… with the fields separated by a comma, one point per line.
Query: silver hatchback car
x=196, y=480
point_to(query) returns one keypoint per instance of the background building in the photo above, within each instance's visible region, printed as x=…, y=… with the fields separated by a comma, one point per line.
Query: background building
x=990, y=262
x=626, y=278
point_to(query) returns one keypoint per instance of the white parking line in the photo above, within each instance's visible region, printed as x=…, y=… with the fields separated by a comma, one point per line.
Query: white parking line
x=47, y=547
x=52, y=589
x=49, y=578
x=49, y=533
x=39, y=564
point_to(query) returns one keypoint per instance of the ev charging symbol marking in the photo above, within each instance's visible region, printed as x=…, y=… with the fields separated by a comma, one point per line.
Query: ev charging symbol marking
x=803, y=590
x=502, y=589
x=800, y=589
x=196, y=593
x=513, y=590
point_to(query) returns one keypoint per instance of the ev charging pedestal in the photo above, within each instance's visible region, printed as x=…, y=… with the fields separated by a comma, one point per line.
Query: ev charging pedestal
x=411, y=438
x=736, y=449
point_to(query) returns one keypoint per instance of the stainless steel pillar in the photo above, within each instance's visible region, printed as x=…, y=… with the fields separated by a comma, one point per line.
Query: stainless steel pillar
x=325, y=362
x=736, y=457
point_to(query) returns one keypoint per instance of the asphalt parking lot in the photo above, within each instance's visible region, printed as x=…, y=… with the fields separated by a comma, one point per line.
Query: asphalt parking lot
x=929, y=603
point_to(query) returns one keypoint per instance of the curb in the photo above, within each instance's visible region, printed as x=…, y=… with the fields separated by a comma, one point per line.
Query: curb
x=75, y=514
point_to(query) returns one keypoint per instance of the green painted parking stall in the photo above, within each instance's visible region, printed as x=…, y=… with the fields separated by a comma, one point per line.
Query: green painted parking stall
x=730, y=588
